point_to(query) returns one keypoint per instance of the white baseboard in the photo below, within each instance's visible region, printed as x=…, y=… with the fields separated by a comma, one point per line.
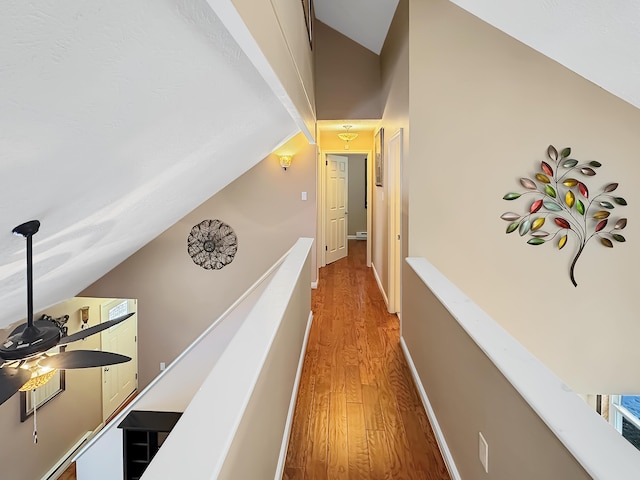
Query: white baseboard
x=442, y=443
x=351, y=237
x=67, y=459
x=314, y=285
x=384, y=294
x=292, y=404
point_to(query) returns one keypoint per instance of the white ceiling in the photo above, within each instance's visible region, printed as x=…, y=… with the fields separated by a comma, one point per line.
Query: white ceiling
x=117, y=118
x=599, y=40
x=364, y=21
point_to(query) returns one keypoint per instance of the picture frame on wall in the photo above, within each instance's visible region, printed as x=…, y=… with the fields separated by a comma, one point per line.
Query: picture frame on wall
x=378, y=155
x=307, y=7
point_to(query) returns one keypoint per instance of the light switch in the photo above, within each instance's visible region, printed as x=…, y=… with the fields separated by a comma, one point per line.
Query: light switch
x=483, y=452
x=304, y=195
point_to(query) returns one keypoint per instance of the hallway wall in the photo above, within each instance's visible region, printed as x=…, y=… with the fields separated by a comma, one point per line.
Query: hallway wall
x=484, y=108
x=179, y=299
x=357, y=194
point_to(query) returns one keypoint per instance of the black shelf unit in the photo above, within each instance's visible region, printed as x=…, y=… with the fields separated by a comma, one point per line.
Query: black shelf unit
x=143, y=433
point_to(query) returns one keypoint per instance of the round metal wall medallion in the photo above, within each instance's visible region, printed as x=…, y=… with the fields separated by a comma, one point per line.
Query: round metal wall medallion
x=212, y=244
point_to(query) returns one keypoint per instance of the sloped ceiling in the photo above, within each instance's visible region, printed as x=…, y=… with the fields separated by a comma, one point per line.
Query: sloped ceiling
x=117, y=118
x=363, y=21
x=599, y=40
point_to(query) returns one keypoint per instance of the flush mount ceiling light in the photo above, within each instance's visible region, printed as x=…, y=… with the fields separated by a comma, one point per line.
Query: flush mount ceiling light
x=347, y=136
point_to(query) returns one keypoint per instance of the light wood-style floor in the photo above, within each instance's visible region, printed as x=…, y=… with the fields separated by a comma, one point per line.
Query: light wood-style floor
x=358, y=414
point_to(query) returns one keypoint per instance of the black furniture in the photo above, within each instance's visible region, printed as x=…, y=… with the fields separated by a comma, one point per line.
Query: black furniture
x=143, y=433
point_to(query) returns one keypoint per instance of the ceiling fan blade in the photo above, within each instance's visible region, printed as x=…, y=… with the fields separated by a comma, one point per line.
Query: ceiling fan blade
x=91, y=330
x=11, y=379
x=82, y=359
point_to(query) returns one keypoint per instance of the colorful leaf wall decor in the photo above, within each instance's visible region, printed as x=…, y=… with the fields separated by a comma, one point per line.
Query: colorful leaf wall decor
x=560, y=199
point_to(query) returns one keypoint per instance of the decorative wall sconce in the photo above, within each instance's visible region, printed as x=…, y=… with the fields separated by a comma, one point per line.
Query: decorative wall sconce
x=84, y=316
x=285, y=161
x=347, y=136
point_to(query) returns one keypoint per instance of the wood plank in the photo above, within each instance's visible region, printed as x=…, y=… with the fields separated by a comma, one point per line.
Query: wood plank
x=358, y=447
x=373, y=419
x=353, y=384
x=316, y=464
x=379, y=460
x=338, y=452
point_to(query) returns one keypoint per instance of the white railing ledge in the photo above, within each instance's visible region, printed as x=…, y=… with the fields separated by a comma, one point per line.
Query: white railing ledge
x=602, y=452
x=199, y=443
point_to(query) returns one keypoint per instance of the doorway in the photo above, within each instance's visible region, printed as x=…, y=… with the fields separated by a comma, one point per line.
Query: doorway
x=119, y=381
x=345, y=193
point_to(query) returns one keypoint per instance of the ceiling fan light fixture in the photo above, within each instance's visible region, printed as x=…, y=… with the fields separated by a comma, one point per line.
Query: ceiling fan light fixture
x=39, y=377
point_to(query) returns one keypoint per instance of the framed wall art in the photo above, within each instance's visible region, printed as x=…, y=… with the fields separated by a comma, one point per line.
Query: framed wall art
x=378, y=153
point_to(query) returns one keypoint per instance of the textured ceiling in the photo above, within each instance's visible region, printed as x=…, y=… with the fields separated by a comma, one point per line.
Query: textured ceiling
x=599, y=40
x=117, y=118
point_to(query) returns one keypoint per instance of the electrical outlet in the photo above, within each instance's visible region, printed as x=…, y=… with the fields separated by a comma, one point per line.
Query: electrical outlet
x=483, y=452
x=304, y=195
x=162, y=366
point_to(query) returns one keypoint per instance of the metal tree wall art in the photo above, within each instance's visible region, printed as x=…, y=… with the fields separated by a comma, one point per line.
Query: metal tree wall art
x=563, y=202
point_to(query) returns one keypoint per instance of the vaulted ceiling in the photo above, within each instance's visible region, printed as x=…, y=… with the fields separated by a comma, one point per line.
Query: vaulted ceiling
x=599, y=40
x=117, y=118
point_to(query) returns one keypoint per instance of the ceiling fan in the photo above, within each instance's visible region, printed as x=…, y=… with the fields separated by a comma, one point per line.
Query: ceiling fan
x=24, y=363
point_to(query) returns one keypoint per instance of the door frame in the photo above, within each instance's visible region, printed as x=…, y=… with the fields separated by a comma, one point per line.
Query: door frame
x=322, y=200
x=394, y=196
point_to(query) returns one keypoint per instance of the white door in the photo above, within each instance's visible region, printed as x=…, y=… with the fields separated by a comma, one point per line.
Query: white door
x=119, y=381
x=336, y=231
x=394, y=168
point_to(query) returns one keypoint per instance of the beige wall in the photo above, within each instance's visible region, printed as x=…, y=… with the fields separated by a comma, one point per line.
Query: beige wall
x=279, y=28
x=63, y=420
x=357, y=189
x=469, y=395
x=347, y=77
x=483, y=110
x=178, y=299
x=394, y=60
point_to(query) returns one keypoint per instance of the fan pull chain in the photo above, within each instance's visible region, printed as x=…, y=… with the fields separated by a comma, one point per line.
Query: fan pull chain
x=35, y=416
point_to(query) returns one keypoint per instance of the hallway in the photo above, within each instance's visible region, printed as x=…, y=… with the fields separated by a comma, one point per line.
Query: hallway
x=358, y=414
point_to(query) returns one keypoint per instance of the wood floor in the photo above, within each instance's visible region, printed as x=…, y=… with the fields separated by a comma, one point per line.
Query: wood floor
x=358, y=414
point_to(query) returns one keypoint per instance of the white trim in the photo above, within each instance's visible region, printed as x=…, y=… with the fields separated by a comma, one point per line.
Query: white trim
x=66, y=459
x=322, y=195
x=314, y=285
x=233, y=22
x=435, y=426
x=352, y=237
x=394, y=216
x=384, y=295
x=292, y=405
x=599, y=449
x=125, y=411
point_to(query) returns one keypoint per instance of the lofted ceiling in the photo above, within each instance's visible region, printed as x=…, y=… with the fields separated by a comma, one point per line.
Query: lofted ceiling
x=117, y=118
x=599, y=40
x=364, y=21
